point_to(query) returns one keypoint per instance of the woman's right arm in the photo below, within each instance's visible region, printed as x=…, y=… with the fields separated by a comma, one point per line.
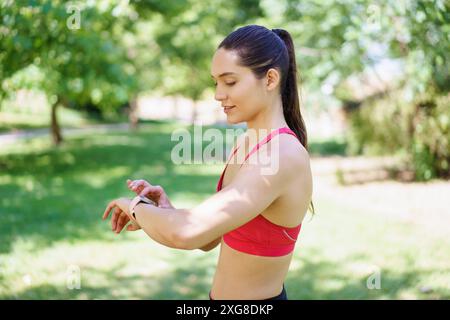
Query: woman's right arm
x=211, y=245
x=157, y=194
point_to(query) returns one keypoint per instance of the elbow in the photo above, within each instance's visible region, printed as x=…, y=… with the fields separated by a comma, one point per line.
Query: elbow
x=183, y=240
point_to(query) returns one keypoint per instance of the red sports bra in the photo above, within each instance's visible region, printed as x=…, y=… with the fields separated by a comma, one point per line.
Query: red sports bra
x=259, y=236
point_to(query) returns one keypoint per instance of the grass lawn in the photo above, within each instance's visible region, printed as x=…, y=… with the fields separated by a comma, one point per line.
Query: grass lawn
x=51, y=230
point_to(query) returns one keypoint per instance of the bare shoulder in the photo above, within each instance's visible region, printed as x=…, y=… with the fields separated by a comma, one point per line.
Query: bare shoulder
x=296, y=171
x=288, y=159
x=293, y=155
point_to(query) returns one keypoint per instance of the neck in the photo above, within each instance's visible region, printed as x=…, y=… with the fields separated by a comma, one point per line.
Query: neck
x=268, y=120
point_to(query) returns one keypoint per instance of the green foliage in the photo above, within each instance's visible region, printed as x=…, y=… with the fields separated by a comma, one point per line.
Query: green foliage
x=417, y=130
x=328, y=147
x=75, y=45
x=395, y=119
x=375, y=127
x=431, y=138
x=119, y=49
x=189, y=41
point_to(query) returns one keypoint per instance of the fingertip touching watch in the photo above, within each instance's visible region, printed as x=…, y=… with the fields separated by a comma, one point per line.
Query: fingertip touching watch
x=136, y=201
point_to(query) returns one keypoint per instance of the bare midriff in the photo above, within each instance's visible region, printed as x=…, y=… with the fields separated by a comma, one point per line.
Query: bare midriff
x=244, y=276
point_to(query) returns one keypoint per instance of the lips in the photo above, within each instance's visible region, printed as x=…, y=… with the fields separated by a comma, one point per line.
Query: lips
x=228, y=108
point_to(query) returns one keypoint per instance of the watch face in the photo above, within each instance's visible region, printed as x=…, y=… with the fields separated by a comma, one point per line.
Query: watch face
x=146, y=200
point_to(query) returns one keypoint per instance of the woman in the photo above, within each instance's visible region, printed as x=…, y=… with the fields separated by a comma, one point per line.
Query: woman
x=255, y=218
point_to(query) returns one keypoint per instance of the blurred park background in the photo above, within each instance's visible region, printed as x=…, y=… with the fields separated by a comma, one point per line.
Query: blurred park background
x=91, y=91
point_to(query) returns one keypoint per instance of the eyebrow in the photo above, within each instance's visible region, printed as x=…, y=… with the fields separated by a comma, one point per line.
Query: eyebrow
x=224, y=74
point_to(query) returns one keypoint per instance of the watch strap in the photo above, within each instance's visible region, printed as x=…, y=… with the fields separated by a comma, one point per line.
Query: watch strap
x=136, y=200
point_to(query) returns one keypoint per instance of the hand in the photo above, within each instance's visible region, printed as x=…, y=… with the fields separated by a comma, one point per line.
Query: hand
x=121, y=215
x=155, y=193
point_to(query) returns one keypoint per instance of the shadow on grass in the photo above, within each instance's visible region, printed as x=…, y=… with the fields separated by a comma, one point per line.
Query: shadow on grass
x=191, y=277
x=327, y=280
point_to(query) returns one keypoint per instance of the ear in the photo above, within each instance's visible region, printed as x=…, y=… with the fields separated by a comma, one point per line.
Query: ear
x=272, y=79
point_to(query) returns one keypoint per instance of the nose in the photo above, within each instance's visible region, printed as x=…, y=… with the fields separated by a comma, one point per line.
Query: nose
x=220, y=96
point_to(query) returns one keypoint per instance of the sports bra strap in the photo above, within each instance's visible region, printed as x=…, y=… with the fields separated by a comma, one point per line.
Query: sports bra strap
x=267, y=139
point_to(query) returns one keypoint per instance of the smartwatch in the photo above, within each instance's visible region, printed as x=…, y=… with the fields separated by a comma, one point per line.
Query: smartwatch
x=136, y=201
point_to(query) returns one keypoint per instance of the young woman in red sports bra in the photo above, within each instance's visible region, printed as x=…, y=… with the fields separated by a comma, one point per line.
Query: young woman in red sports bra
x=256, y=218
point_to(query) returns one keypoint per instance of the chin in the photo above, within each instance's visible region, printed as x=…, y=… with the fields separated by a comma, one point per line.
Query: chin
x=234, y=120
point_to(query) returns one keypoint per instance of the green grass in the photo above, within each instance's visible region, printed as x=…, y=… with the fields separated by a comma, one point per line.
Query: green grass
x=51, y=201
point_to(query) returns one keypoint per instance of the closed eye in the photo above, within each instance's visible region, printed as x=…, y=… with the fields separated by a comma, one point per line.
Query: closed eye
x=228, y=84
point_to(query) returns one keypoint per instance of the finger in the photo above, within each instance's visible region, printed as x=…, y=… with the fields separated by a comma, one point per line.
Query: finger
x=114, y=218
x=133, y=227
x=154, y=190
x=138, y=189
x=108, y=209
x=135, y=184
x=142, y=186
x=145, y=189
x=130, y=183
x=122, y=221
x=142, y=183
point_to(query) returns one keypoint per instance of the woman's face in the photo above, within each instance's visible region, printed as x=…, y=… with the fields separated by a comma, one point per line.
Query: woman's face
x=240, y=88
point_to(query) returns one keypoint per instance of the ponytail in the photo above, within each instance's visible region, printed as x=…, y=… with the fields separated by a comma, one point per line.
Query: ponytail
x=290, y=95
x=289, y=92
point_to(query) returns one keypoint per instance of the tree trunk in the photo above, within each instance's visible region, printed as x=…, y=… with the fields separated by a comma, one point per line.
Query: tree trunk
x=56, y=130
x=175, y=107
x=133, y=114
x=194, y=112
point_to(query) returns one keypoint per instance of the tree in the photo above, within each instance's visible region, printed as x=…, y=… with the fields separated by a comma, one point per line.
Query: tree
x=345, y=38
x=187, y=41
x=76, y=47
